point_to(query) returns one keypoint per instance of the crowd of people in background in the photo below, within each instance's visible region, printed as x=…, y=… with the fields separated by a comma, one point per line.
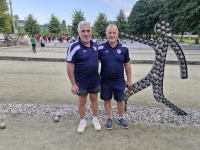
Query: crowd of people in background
x=51, y=38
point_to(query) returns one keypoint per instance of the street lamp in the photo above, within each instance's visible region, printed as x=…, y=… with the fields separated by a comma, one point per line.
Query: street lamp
x=15, y=33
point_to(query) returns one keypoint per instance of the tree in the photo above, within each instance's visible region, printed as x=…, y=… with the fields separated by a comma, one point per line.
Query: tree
x=101, y=24
x=63, y=27
x=31, y=25
x=77, y=16
x=54, y=24
x=121, y=21
x=190, y=12
x=5, y=18
x=144, y=15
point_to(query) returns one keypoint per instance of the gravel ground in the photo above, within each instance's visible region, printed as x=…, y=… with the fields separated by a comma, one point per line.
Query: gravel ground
x=133, y=113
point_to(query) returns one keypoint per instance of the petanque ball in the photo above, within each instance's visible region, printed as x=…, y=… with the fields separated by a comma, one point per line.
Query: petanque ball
x=2, y=125
x=56, y=119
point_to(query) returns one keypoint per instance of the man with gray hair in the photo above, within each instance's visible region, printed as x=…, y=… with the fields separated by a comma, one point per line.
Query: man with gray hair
x=82, y=70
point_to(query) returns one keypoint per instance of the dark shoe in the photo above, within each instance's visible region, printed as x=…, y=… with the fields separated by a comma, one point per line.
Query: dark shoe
x=109, y=124
x=123, y=123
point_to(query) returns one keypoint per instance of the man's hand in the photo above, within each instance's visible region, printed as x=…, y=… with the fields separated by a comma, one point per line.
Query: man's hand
x=75, y=89
x=128, y=84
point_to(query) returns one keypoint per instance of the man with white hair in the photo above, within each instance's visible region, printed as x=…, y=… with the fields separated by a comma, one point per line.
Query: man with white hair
x=82, y=70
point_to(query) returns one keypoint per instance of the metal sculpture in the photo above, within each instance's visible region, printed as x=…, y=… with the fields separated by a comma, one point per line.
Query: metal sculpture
x=155, y=76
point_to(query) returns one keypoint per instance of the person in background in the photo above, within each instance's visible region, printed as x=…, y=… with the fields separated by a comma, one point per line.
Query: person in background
x=33, y=42
x=82, y=70
x=114, y=57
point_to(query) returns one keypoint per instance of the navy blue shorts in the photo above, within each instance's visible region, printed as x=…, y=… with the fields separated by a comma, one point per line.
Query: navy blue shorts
x=93, y=90
x=112, y=88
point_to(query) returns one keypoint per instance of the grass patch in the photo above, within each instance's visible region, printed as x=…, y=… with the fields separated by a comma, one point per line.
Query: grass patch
x=171, y=119
x=187, y=41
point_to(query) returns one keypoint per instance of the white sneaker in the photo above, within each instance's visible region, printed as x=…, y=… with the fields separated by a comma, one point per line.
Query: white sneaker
x=96, y=125
x=81, y=127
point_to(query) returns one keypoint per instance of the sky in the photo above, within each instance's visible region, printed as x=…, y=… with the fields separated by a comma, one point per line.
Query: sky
x=63, y=9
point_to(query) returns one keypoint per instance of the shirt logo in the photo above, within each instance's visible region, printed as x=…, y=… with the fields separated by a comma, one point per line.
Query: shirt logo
x=84, y=50
x=95, y=48
x=119, y=51
x=106, y=51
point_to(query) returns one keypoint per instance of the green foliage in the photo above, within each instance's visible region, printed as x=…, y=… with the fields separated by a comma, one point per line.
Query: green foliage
x=121, y=21
x=77, y=16
x=5, y=18
x=54, y=24
x=144, y=15
x=100, y=25
x=171, y=119
x=31, y=25
x=63, y=27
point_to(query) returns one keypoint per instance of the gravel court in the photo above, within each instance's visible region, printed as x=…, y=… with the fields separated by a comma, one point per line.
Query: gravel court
x=47, y=83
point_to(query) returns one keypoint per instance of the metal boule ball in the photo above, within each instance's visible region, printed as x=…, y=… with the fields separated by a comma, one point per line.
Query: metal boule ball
x=148, y=83
x=161, y=65
x=165, y=44
x=145, y=41
x=161, y=69
x=134, y=85
x=160, y=46
x=131, y=37
x=56, y=119
x=171, y=105
x=155, y=44
x=158, y=57
x=162, y=22
x=183, y=66
x=173, y=44
x=136, y=38
x=140, y=40
x=183, y=71
x=167, y=24
x=2, y=125
x=158, y=25
x=122, y=33
x=170, y=40
x=184, y=75
x=127, y=35
x=179, y=52
x=163, y=28
x=176, y=48
x=163, y=33
x=158, y=31
x=167, y=30
x=182, y=61
x=150, y=43
x=181, y=57
x=157, y=63
x=163, y=54
x=143, y=86
x=165, y=39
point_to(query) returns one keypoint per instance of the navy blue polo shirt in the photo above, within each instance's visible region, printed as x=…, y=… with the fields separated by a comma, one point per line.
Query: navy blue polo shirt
x=112, y=61
x=86, y=63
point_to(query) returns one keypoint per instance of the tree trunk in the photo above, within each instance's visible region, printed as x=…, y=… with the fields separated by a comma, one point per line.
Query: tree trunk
x=181, y=36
